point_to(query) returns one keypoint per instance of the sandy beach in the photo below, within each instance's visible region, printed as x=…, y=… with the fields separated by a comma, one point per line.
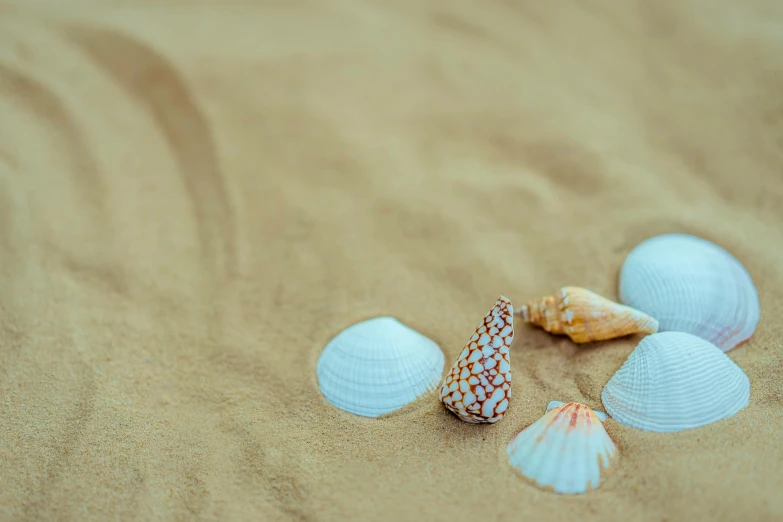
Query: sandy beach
x=195, y=197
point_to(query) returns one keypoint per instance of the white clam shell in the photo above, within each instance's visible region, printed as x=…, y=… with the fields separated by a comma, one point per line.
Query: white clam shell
x=675, y=381
x=377, y=366
x=567, y=449
x=691, y=285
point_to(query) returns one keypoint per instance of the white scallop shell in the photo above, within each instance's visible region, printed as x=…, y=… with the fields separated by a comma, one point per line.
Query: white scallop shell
x=377, y=366
x=675, y=381
x=566, y=450
x=691, y=285
x=554, y=404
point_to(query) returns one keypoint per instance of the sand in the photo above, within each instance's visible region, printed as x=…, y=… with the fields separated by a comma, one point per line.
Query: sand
x=197, y=196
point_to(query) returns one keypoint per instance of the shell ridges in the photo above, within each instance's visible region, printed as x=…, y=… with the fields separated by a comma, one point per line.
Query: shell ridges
x=377, y=366
x=567, y=449
x=554, y=404
x=691, y=285
x=675, y=381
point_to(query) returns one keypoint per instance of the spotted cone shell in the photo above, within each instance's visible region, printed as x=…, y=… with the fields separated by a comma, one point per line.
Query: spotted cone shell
x=478, y=387
x=585, y=316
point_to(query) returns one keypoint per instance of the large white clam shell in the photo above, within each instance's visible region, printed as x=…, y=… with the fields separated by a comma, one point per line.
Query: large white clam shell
x=691, y=285
x=567, y=449
x=377, y=366
x=675, y=381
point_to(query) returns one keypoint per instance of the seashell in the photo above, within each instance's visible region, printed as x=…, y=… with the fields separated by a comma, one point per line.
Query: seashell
x=601, y=415
x=585, y=316
x=691, y=285
x=567, y=449
x=478, y=387
x=675, y=381
x=377, y=366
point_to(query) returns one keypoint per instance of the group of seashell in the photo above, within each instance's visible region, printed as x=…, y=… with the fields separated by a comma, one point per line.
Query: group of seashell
x=693, y=299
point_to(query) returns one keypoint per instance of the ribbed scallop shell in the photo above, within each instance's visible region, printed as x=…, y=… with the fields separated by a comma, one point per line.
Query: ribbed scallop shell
x=691, y=285
x=675, y=381
x=567, y=449
x=377, y=366
x=554, y=404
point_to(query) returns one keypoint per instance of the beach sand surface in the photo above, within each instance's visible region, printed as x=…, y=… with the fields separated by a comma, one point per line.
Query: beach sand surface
x=195, y=197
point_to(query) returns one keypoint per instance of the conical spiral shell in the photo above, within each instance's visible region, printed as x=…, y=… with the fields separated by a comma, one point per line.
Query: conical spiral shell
x=478, y=386
x=691, y=285
x=377, y=366
x=675, y=381
x=567, y=449
x=586, y=316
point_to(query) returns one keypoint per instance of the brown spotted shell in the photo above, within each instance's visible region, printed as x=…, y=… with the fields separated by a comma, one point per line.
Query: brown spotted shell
x=478, y=387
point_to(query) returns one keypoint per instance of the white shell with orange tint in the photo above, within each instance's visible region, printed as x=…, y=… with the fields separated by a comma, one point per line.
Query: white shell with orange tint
x=566, y=450
x=691, y=285
x=675, y=381
x=377, y=366
x=478, y=387
x=554, y=404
